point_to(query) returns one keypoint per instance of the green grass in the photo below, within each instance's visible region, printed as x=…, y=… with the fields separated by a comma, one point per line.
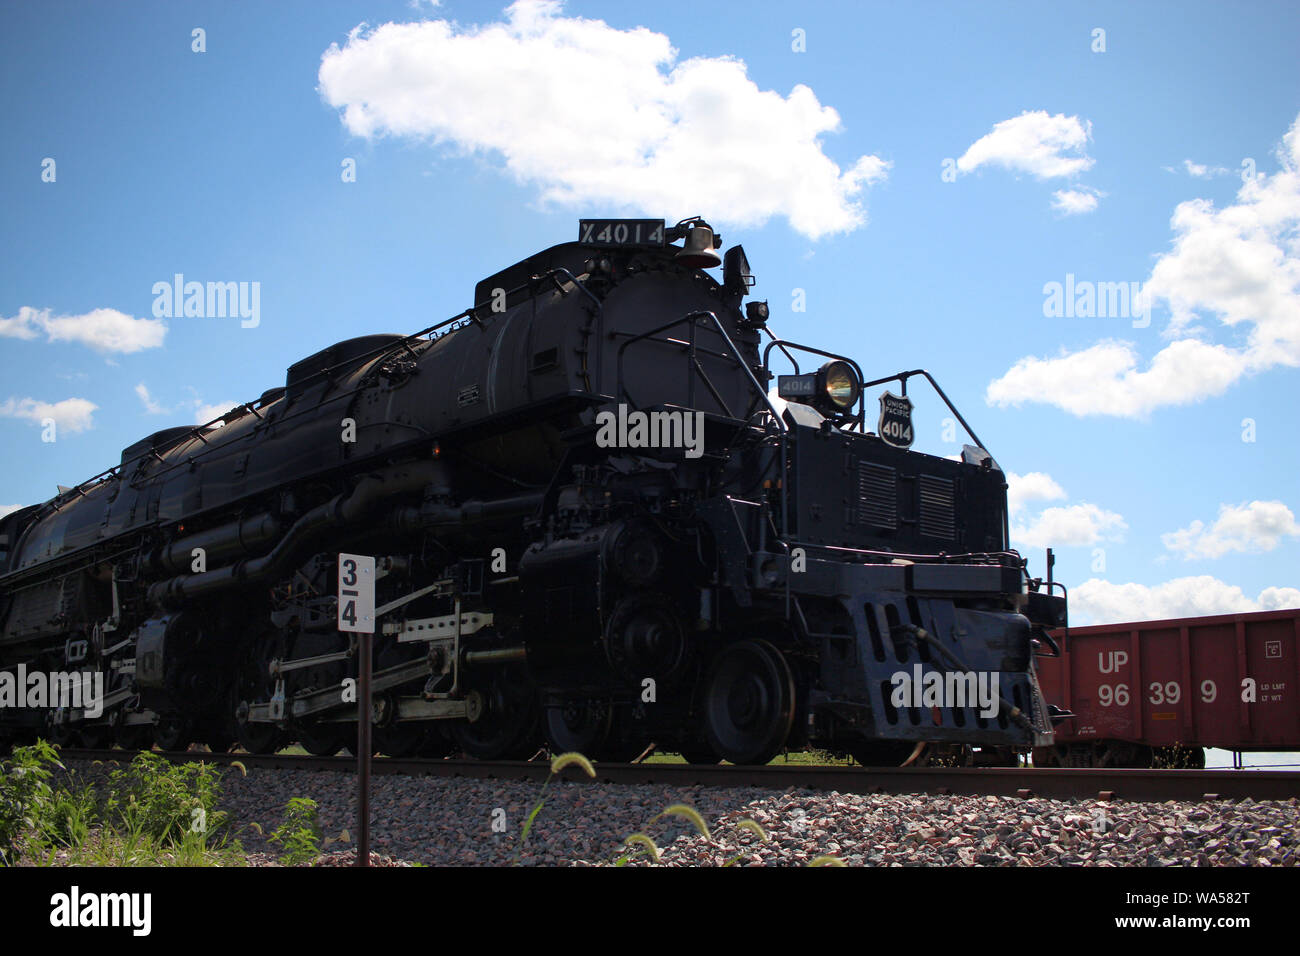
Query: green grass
x=148, y=812
x=811, y=758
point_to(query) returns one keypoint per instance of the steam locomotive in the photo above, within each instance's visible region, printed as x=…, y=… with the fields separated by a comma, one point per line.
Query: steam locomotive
x=596, y=525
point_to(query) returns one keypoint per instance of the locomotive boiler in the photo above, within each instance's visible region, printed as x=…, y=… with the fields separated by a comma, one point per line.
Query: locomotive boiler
x=600, y=521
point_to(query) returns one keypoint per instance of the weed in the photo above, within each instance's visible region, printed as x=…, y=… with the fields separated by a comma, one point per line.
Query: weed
x=300, y=833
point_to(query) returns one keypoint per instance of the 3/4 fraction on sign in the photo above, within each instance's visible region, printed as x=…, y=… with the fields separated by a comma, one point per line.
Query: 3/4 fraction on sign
x=356, y=593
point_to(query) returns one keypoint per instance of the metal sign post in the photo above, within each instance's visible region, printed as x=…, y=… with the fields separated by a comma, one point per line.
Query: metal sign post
x=356, y=615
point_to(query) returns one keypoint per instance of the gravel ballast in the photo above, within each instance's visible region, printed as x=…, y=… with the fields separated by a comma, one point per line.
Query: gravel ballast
x=460, y=821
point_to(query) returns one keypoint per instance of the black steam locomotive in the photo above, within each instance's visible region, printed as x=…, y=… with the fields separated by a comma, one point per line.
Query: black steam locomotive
x=595, y=522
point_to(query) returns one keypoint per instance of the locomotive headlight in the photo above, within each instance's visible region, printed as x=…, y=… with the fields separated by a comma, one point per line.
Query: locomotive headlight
x=833, y=389
x=840, y=385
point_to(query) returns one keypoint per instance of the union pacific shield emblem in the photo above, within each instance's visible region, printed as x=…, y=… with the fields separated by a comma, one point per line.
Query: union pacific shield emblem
x=895, y=420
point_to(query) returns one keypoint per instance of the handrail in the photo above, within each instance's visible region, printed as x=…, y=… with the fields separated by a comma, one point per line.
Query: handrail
x=692, y=318
x=735, y=356
x=902, y=378
x=600, y=322
x=860, y=418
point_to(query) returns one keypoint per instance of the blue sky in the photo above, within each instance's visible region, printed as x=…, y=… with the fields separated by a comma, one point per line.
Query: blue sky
x=921, y=173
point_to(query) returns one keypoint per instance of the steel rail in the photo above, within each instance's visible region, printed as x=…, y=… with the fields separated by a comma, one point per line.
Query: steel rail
x=1052, y=783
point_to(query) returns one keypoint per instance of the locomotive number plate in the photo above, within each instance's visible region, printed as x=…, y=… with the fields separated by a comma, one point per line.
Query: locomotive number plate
x=622, y=232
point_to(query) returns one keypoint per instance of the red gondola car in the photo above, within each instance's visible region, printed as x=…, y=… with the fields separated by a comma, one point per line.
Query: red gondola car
x=1155, y=693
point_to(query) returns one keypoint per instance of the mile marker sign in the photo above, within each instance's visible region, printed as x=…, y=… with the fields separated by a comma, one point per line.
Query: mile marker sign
x=357, y=593
x=357, y=614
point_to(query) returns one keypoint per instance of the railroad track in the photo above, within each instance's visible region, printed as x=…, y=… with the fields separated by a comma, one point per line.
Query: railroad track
x=1133, y=785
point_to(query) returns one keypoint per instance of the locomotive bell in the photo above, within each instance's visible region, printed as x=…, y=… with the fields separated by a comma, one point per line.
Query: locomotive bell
x=697, y=251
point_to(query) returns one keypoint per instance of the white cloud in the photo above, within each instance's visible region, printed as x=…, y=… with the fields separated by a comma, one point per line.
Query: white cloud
x=22, y=326
x=595, y=116
x=9, y=509
x=1034, y=486
x=1070, y=526
x=1059, y=526
x=105, y=330
x=70, y=415
x=1073, y=202
x=1034, y=143
x=1255, y=527
x=1277, y=599
x=1096, y=601
x=1198, y=171
x=1240, y=264
x=150, y=406
x=205, y=413
x=1104, y=379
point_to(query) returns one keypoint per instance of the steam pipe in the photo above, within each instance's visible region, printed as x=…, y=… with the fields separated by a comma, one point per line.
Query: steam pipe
x=226, y=541
x=344, y=509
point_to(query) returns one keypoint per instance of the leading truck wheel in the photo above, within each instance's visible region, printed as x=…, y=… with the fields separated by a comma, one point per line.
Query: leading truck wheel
x=749, y=708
